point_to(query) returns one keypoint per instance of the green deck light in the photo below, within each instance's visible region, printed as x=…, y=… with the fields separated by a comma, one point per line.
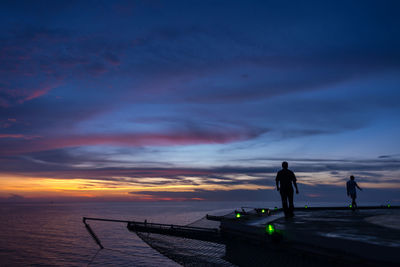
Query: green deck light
x=306, y=206
x=270, y=229
x=263, y=210
x=350, y=206
x=388, y=205
x=276, y=208
x=238, y=215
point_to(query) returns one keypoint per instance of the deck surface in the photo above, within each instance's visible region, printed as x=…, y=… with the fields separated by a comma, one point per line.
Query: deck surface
x=364, y=237
x=379, y=227
x=369, y=235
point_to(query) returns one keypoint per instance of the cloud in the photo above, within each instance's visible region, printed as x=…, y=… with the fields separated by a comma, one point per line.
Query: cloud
x=18, y=136
x=37, y=93
x=214, y=195
x=319, y=179
x=309, y=195
x=393, y=156
x=13, y=198
x=189, y=137
x=71, y=163
x=48, y=57
x=11, y=136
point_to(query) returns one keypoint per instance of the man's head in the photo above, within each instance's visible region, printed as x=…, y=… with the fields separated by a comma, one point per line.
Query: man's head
x=285, y=165
x=352, y=178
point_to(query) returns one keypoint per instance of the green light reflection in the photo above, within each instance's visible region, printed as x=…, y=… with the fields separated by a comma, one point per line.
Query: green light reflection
x=270, y=229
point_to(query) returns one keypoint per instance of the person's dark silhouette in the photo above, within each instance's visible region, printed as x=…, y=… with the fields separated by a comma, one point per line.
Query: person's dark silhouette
x=351, y=191
x=284, y=180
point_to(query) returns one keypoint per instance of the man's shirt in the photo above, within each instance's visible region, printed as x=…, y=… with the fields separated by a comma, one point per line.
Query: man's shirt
x=351, y=187
x=285, y=177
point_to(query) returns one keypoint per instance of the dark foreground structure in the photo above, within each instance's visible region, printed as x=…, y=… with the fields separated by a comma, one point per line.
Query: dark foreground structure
x=320, y=236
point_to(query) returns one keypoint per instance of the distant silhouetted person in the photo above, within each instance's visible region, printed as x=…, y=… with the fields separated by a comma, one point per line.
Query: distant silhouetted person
x=351, y=191
x=284, y=180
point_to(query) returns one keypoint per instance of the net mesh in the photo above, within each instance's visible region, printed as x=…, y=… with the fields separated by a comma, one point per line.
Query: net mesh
x=186, y=251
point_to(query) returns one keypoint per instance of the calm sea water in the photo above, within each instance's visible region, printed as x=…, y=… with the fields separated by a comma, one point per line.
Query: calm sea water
x=54, y=235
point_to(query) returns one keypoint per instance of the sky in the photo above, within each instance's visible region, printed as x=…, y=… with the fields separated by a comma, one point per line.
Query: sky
x=198, y=100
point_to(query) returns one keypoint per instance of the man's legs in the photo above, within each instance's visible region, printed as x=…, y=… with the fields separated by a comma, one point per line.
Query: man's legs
x=284, y=203
x=291, y=206
x=353, y=202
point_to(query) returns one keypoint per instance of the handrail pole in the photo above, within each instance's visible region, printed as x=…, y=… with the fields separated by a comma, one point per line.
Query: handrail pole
x=92, y=234
x=147, y=224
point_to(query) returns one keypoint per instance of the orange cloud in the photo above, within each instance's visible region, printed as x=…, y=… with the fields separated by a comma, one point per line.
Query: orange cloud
x=47, y=187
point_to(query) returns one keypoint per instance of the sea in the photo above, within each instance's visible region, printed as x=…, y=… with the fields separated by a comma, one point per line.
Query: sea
x=53, y=234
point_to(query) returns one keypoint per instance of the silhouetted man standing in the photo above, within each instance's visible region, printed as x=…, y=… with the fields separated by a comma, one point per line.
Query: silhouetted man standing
x=284, y=180
x=351, y=191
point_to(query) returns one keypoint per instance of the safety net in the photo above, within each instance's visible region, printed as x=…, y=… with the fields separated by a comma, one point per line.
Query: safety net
x=186, y=251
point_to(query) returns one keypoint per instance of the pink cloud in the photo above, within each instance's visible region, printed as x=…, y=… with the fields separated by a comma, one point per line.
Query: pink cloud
x=31, y=54
x=150, y=139
x=37, y=93
x=134, y=139
x=19, y=136
x=24, y=93
x=11, y=136
x=43, y=91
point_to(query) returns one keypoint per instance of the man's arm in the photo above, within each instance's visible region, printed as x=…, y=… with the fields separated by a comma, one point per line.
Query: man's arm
x=295, y=185
x=294, y=182
x=358, y=187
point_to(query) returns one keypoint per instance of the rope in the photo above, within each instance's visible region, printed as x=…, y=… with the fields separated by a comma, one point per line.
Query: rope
x=95, y=255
